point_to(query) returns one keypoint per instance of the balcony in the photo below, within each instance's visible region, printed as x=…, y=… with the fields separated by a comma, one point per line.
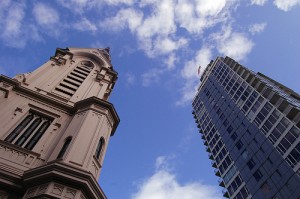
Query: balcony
x=214, y=164
x=208, y=149
x=225, y=193
x=221, y=182
x=217, y=173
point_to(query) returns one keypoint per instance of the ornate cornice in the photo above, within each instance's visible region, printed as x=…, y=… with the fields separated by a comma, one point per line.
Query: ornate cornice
x=57, y=171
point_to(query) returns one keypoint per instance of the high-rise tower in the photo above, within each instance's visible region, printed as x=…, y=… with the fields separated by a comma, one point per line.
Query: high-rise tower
x=55, y=126
x=250, y=126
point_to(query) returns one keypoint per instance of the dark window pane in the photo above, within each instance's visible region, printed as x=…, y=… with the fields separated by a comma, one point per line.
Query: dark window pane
x=19, y=128
x=28, y=131
x=251, y=164
x=257, y=175
x=64, y=148
x=37, y=135
x=99, y=148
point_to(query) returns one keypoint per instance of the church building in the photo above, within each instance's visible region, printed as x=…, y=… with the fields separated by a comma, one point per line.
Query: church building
x=55, y=126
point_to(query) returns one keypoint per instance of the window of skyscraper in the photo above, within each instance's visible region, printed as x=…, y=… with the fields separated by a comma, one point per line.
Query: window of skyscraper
x=257, y=175
x=251, y=164
x=239, y=144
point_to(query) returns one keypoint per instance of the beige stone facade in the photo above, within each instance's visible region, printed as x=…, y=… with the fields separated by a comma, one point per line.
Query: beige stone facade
x=55, y=125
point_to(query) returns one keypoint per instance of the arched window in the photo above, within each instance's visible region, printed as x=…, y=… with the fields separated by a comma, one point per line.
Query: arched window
x=99, y=147
x=64, y=148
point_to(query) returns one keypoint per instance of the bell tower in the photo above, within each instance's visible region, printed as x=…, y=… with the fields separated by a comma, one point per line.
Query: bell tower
x=55, y=126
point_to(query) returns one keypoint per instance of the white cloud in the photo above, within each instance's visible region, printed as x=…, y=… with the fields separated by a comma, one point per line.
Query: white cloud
x=45, y=15
x=257, y=28
x=197, y=16
x=190, y=74
x=233, y=44
x=170, y=61
x=164, y=162
x=85, y=25
x=161, y=45
x=161, y=22
x=154, y=32
x=164, y=185
x=116, y=2
x=129, y=17
x=210, y=8
x=202, y=58
x=151, y=77
x=13, y=22
x=79, y=6
x=286, y=5
x=167, y=45
x=188, y=92
x=154, y=38
x=14, y=32
x=130, y=79
x=258, y=2
x=157, y=30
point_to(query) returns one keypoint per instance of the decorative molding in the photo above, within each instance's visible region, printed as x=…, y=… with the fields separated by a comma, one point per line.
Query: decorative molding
x=95, y=52
x=58, y=60
x=5, y=88
x=42, y=189
x=3, y=195
x=70, y=193
x=70, y=175
x=95, y=166
x=82, y=196
x=57, y=189
x=100, y=76
x=30, y=192
x=19, y=156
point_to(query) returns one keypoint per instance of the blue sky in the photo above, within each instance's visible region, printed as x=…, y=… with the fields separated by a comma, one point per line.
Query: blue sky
x=156, y=46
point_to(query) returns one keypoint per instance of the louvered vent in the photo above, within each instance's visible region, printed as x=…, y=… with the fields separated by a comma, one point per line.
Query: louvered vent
x=73, y=80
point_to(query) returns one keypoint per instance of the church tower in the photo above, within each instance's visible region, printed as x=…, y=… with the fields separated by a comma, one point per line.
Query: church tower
x=55, y=125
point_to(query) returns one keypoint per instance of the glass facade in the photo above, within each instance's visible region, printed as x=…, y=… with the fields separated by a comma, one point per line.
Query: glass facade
x=250, y=126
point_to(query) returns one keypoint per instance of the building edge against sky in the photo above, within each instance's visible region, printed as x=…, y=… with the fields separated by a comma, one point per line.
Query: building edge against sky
x=249, y=124
x=56, y=123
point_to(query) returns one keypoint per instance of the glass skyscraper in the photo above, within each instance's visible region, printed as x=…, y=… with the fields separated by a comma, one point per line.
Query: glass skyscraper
x=249, y=124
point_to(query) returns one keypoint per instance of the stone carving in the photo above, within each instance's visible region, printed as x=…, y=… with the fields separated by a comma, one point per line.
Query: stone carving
x=31, y=192
x=57, y=189
x=95, y=52
x=2, y=94
x=26, y=159
x=95, y=168
x=58, y=60
x=42, y=189
x=3, y=195
x=82, y=196
x=70, y=193
x=6, y=85
x=100, y=76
